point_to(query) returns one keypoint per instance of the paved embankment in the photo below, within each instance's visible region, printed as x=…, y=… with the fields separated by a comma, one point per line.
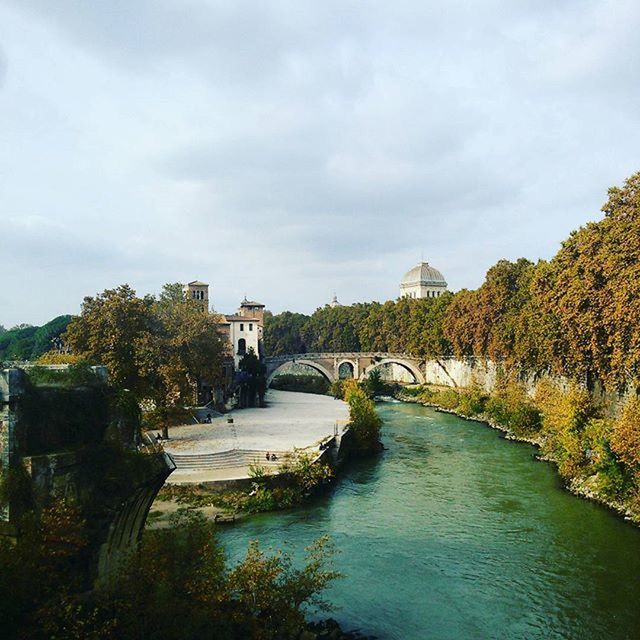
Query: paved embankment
x=223, y=451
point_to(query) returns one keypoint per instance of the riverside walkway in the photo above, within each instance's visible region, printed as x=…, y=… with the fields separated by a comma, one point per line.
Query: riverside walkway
x=220, y=451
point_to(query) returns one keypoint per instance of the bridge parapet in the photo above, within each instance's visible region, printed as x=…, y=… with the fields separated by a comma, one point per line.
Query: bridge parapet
x=361, y=363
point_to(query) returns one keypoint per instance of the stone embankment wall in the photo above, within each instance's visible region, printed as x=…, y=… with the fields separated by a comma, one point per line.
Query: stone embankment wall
x=464, y=372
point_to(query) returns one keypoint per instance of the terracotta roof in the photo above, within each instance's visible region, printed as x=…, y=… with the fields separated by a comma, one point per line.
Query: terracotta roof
x=197, y=283
x=237, y=318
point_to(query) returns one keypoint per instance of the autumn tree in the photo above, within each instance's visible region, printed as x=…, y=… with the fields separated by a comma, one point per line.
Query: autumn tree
x=110, y=330
x=158, y=348
x=592, y=290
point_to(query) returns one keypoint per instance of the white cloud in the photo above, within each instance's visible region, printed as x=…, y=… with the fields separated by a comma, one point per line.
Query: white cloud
x=287, y=150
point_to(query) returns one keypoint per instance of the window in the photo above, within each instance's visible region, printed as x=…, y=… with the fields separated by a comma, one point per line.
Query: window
x=241, y=326
x=242, y=346
x=250, y=327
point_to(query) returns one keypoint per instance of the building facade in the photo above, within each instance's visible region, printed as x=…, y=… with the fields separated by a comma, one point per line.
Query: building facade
x=423, y=281
x=198, y=291
x=245, y=330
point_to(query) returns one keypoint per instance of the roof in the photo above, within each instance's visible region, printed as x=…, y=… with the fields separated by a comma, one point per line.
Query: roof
x=250, y=303
x=197, y=283
x=236, y=318
x=423, y=274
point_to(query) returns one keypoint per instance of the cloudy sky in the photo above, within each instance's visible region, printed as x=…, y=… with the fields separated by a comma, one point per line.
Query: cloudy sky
x=288, y=150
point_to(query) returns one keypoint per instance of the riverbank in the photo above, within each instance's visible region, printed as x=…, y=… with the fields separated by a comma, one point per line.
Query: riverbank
x=228, y=446
x=580, y=487
x=222, y=467
x=454, y=533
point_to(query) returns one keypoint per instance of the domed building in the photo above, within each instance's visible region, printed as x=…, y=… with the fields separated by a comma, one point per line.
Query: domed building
x=423, y=281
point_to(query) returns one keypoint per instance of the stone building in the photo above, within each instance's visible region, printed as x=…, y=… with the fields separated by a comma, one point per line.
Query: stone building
x=244, y=330
x=423, y=281
x=198, y=291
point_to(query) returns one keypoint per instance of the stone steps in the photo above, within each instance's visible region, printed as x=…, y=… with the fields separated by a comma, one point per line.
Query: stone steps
x=226, y=459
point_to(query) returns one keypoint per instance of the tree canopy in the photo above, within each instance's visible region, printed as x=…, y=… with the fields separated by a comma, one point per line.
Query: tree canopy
x=156, y=347
x=25, y=342
x=577, y=314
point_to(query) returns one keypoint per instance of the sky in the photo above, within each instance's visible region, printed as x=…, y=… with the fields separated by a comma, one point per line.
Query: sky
x=289, y=150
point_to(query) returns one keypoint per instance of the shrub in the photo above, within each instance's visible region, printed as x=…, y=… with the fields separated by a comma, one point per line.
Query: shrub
x=472, y=401
x=565, y=414
x=364, y=422
x=613, y=478
x=175, y=586
x=445, y=398
x=336, y=389
x=301, y=383
x=625, y=437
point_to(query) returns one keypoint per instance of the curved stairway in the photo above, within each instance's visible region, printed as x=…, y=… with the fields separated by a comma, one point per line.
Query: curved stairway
x=226, y=459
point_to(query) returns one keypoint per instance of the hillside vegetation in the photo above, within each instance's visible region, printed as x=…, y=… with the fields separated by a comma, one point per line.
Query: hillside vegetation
x=25, y=342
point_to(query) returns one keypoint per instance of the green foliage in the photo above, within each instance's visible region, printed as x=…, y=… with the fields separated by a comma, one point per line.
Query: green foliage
x=157, y=348
x=283, y=333
x=472, y=401
x=78, y=374
x=302, y=383
x=177, y=586
x=251, y=380
x=510, y=406
x=405, y=326
x=299, y=478
x=373, y=383
x=565, y=414
x=364, y=422
x=29, y=343
x=336, y=389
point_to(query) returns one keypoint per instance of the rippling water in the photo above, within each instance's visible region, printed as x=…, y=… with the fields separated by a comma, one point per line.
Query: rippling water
x=457, y=533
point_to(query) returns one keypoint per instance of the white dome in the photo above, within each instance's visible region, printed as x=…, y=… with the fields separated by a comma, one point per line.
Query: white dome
x=423, y=274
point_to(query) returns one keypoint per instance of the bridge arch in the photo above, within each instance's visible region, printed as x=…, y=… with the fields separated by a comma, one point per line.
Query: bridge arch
x=412, y=368
x=345, y=369
x=310, y=363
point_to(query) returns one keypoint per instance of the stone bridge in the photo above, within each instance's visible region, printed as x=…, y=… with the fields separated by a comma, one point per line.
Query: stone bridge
x=334, y=366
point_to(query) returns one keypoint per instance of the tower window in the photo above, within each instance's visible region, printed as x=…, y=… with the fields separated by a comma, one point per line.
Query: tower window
x=250, y=327
x=241, y=326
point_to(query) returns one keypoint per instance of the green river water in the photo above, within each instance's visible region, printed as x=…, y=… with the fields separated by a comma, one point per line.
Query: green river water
x=455, y=532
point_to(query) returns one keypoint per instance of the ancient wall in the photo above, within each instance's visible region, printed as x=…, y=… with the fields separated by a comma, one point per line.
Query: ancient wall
x=464, y=372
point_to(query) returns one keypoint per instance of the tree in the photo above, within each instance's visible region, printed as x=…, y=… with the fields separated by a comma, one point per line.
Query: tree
x=110, y=330
x=283, y=333
x=157, y=348
x=364, y=421
x=251, y=380
x=373, y=383
x=183, y=349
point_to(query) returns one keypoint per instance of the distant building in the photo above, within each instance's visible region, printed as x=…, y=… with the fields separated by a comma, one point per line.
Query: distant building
x=423, y=281
x=199, y=291
x=334, y=302
x=252, y=309
x=244, y=330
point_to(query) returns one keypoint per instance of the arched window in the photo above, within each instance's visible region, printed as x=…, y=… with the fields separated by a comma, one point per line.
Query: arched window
x=242, y=346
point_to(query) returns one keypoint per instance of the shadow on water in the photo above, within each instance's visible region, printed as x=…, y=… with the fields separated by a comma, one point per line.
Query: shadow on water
x=456, y=533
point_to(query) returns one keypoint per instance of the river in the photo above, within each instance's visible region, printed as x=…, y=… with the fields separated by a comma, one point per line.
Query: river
x=455, y=532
